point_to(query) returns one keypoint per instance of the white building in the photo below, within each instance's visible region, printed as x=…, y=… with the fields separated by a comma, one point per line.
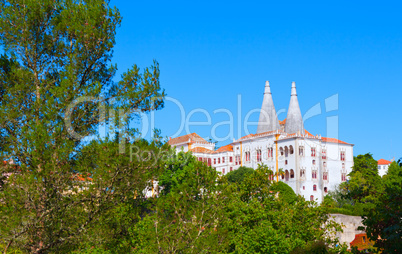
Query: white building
x=383, y=166
x=312, y=165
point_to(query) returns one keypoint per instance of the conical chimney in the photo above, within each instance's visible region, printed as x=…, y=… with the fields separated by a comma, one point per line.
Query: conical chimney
x=294, y=120
x=268, y=119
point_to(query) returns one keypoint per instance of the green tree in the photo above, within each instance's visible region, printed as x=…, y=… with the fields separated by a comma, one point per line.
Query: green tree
x=55, y=73
x=365, y=184
x=238, y=175
x=383, y=222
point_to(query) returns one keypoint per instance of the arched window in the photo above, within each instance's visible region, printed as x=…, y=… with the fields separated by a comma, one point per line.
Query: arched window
x=311, y=198
x=291, y=150
x=286, y=175
x=286, y=151
x=281, y=151
x=292, y=174
x=314, y=187
x=325, y=189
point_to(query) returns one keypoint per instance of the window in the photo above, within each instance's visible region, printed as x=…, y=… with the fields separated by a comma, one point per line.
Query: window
x=223, y=171
x=379, y=167
x=311, y=198
x=230, y=159
x=325, y=189
x=325, y=176
x=236, y=160
x=301, y=151
x=215, y=161
x=209, y=161
x=281, y=151
x=247, y=156
x=343, y=165
x=286, y=151
x=324, y=154
x=324, y=164
x=231, y=169
x=313, y=162
x=342, y=155
x=286, y=162
x=292, y=174
x=302, y=173
x=258, y=155
x=304, y=187
x=313, y=152
x=270, y=152
x=199, y=159
x=286, y=175
x=314, y=174
x=219, y=160
x=223, y=159
x=291, y=149
x=343, y=177
x=314, y=187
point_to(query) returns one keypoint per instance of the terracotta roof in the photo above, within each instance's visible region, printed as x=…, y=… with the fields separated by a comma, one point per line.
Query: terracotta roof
x=248, y=136
x=383, y=162
x=283, y=121
x=200, y=150
x=227, y=148
x=333, y=140
x=193, y=137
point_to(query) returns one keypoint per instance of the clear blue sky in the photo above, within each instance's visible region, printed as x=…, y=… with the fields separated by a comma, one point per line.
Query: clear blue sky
x=210, y=52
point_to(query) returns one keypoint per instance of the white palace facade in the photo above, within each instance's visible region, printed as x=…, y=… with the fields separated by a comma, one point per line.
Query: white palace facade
x=311, y=164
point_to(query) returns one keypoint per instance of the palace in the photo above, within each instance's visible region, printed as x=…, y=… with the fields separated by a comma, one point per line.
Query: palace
x=311, y=164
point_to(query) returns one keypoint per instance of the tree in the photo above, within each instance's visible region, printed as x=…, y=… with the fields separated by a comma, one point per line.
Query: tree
x=285, y=191
x=365, y=183
x=55, y=74
x=238, y=175
x=383, y=222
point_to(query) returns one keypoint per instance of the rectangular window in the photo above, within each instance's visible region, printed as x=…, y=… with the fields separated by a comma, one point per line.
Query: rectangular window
x=230, y=159
x=301, y=151
x=314, y=174
x=223, y=159
x=343, y=177
x=325, y=176
x=215, y=161
x=313, y=162
x=342, y=155
x=312, y=152
x=324, y=154
x=223, y=171
x=219, y=160
x=231, y=169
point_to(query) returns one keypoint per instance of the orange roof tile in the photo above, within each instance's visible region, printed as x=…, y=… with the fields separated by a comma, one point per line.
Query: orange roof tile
x=383, y=162
x=200, y=150
x=227, y=148
x=283, y=121
x=333, y=140
x=247, y=136
x=193, y=137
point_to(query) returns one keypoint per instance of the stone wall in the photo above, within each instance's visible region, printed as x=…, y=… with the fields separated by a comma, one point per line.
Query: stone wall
x=349, y=226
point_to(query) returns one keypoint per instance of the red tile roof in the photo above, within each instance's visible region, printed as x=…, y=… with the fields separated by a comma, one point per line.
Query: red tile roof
x=333, y=140
x=193, y=137
x=383, y=162
x=248, y=136
x=283, y=121
x=200, y=150
x=227, y=148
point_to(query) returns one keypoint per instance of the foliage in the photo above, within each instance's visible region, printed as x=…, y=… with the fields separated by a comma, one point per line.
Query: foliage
x=56, y=88
x=285, y=192
x=383, y=222
x=238, y=175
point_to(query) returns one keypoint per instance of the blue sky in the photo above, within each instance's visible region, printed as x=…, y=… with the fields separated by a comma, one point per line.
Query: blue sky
x=210, y=53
